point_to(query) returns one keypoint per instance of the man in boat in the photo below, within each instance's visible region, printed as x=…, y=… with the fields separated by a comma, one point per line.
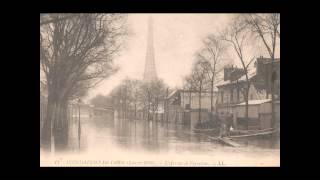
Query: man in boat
x=222, y=119
x=229, y=120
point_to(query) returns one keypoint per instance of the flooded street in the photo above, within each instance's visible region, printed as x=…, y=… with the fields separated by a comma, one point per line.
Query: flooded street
x=120, y=142
x=154, y=89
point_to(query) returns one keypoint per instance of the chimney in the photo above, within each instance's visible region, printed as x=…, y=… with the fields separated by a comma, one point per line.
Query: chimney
x=227, y=72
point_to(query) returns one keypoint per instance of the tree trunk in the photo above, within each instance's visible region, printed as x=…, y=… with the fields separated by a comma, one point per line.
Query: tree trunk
x=55, y=125
x=135, y=110
x=47, y=124
x=60, y=128
x=190, y=98
x=212, y=86
x=211, y=95
x=148, y=111
x=200, y=102
x=273, y=118
x=273, y=110
x=247, y=106
x=247, y=102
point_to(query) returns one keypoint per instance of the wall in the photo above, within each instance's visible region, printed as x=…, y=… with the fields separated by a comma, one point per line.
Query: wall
x=227, y=90
x=195, y=117
x=225, y=110
x=174, y=113
x=265, y=108
x=205, y=100
x=253, y=114
x=85, y=111
x=261, y=112
x=253, y=111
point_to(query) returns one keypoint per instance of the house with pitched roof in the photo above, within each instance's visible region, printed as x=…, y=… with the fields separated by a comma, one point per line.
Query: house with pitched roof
x=231, y=102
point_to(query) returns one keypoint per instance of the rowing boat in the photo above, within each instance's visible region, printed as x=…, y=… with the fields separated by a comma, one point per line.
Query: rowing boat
x=255, y=134
x=245, y=132
x=205, y=130
x=225, y=141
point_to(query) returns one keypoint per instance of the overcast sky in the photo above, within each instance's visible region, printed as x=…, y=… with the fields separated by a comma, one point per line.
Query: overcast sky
x=176, y=39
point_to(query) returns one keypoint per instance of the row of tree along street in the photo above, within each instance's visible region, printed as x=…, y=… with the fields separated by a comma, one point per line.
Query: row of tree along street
x=76, y=53
x=136, y=99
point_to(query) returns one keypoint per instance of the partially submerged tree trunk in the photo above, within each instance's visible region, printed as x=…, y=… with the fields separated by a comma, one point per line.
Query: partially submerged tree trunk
x=60, y=128
x=211, y=96
x=246, y=94
x=46, y=129
x=273, y=118
x=246, y=97
x=200, y=101
x=56, y=125
x=135, y=110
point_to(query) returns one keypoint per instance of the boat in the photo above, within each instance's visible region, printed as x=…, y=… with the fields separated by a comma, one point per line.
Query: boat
x=246, y=132
x=255, y=134
x=207, y=130
x=225, y=141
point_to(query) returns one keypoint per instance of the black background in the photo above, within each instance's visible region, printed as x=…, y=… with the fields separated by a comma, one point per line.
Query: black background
x=21, y=81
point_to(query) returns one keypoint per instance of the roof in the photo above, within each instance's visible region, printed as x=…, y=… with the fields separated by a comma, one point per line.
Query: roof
x=254, y=102
x=192, y=91
x=172, y=93
x=159, y=110
x=203, y=91
x=102, y=109
x=268, y=60
x=251, y=74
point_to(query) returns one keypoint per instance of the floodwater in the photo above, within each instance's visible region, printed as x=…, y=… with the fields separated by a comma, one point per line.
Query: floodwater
x=124, y=142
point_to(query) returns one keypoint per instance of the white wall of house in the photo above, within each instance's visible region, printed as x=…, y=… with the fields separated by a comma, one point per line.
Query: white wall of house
x=253, y=111
x=225, y=97
x=205, y=100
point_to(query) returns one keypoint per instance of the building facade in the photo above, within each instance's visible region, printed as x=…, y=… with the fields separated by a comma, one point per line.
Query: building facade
x=184, y=105
x=231, y=101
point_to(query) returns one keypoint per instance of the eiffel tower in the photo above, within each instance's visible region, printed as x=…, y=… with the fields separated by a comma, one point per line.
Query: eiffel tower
x=150, y=73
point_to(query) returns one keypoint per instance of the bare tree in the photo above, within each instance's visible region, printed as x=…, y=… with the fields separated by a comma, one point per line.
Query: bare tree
x=198, y=80
x=131, y=95
x=152, y=94
x=213, y=52
x=76, y=54
x=267, y=28
x=190, y=85
x=134, y=93
x=238, y=37
x=47, y=18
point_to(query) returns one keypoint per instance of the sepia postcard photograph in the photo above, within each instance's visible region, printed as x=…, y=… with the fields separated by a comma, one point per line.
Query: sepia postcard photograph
x=160, y=90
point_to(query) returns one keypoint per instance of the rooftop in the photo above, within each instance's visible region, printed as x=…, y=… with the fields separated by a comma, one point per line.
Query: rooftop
x=251, y=74
x=255, y=102
x=252, y=71
x=173, y=93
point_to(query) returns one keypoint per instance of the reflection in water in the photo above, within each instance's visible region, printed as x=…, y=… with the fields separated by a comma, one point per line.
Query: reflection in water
x=152, y=136
x=107, y=139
